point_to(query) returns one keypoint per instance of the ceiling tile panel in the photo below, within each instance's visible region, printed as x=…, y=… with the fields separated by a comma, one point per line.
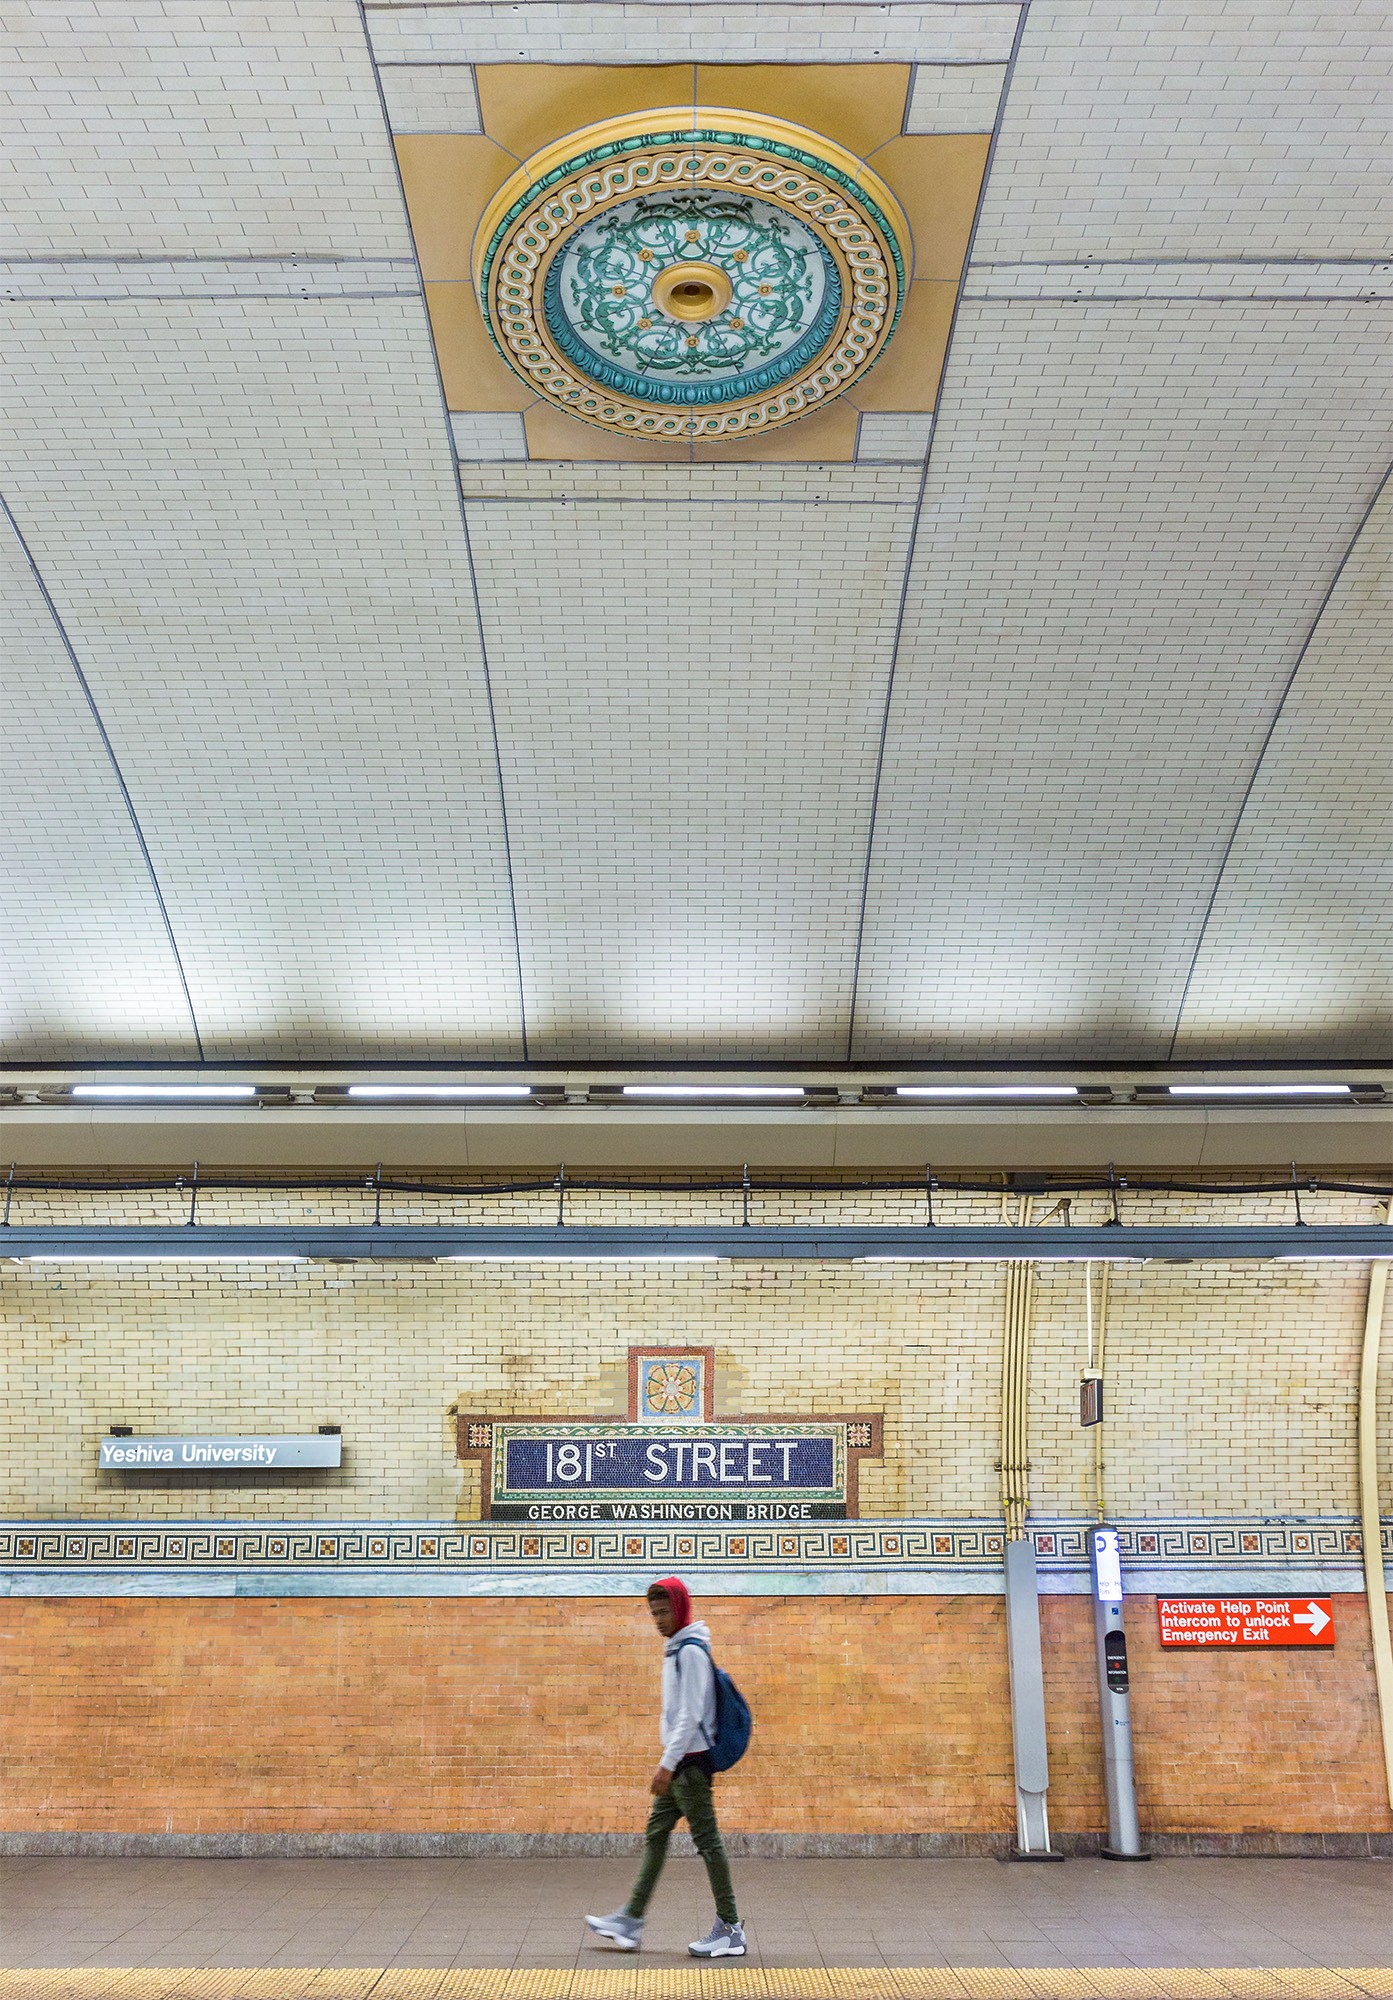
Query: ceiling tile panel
x=85, y=963
x=1132, y=512
x=248, y=517
x=192, y=128
x=1297, y=954
x=659, y=32
x=690, y=683
x=1195, y=128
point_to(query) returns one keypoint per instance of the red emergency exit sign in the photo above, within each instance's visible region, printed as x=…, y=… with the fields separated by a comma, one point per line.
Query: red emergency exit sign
x=1246, y=1621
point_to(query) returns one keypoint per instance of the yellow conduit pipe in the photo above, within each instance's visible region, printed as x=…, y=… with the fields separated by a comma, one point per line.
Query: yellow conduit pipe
x=1015, y=1371
x=1370, y=1522
x=1097, y=1358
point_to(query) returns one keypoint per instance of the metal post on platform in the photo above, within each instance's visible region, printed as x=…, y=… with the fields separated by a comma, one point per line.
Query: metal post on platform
x=1028, y=1740
x=1028, y=1735
x=1114, y=1698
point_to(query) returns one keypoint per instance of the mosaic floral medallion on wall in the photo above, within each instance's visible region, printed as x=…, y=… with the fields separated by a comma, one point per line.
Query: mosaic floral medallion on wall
x=677, y=273
x=672, y=1388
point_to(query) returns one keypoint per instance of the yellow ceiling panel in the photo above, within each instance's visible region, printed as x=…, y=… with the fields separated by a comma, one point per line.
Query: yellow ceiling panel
x=475, y=375
x=937, y=178
x=824, y=435
x=861, y=105
x=524, y=106
x=552, y=434
x=906, y=376
x=447, y=177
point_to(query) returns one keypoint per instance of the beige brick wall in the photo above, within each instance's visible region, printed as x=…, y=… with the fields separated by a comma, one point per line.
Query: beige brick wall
x=1231, y=1387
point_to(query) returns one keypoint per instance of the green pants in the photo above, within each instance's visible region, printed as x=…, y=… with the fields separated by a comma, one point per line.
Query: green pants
x=687, y=1797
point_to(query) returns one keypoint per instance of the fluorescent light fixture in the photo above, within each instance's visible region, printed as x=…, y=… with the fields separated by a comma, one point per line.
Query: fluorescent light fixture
x=943, y=1257
x=1003, y=1257
x=192, y=1091
x=1064, y=1093
x=166, y=1257
x=1334, y=1256
x=1258, y=1090
x=714, y=1090
x=446, y=1090
x=595, y=1257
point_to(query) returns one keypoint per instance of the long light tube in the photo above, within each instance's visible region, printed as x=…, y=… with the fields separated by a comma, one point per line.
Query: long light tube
x=167, y=1257
x=1000, y=1257
x=561, y=1257
x=1024, y=1092
x=714, y=1090
x=447, y=1090
x=194, y=1092
x=1258, y=1090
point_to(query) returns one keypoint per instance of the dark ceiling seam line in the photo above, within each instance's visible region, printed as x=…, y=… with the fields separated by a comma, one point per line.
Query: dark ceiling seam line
x=1085, y=299
x=61, y=629
x=464, y=530
x=914, y=535
x=1152, y=263
x=386, y=8
x=196, y=258
x=1263, y=748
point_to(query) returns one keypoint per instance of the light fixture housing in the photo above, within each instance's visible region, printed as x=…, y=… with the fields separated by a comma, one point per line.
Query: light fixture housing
x=705, y=1092
x=166, y=1093
x=1257, y=1090
x=1284, y=1095
x=991, y=1093
x=452, y=1092
x=987, y=1096
x=677, y=1096
x=563, y=1257
x=165, y=1257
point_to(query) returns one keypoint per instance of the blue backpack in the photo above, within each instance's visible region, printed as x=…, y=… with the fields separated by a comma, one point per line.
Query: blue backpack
x=733, y=1719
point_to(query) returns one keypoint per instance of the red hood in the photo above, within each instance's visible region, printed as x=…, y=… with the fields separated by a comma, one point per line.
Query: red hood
x=678, y=1596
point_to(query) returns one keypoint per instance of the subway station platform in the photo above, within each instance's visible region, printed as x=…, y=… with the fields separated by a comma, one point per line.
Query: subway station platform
x=130, y=1929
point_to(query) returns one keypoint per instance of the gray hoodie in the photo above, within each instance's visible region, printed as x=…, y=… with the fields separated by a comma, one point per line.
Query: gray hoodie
x=689, y=1696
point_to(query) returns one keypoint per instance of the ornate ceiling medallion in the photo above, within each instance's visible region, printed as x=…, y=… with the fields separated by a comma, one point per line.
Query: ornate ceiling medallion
x=680, y=273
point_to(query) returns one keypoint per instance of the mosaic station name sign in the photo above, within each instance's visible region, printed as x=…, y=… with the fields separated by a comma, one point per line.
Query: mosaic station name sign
x=649, y=1472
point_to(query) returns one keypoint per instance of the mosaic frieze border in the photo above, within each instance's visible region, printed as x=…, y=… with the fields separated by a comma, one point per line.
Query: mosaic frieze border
x=970, y=1545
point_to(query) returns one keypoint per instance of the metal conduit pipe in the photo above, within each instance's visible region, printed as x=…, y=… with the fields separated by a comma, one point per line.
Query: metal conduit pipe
x=1098, y=1347
x=1015, y=1368
x=1370, y=1521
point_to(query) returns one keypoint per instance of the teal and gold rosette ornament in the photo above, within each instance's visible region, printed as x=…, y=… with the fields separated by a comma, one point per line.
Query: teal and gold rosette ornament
x=685, y=273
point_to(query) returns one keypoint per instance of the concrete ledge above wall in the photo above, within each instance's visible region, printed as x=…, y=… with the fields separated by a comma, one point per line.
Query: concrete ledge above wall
x=842, y=1137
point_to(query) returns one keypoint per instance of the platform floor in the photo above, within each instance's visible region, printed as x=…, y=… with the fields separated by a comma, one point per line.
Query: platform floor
x=819, y=1930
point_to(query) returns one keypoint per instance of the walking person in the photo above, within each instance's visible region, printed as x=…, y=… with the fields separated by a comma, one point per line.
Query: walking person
x=681, y=1785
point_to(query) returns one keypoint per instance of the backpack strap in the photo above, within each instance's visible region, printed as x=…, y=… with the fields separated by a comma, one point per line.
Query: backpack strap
x=678, y=1650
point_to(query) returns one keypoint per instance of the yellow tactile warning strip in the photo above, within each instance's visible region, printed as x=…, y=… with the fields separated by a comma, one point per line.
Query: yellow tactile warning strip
x=1303, y=1982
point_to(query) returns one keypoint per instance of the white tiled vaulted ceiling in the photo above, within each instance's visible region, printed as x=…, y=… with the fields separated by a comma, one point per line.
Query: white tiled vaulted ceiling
x=1069, y=748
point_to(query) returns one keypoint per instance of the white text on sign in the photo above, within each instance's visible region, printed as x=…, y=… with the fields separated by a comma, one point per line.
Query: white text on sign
x=1246, y=1621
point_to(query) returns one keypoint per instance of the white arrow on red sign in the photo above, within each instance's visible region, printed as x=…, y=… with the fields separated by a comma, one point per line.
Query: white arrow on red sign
x=1312, y=1616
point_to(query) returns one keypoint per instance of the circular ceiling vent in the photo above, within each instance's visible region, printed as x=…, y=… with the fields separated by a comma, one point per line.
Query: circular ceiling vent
x=691, y=273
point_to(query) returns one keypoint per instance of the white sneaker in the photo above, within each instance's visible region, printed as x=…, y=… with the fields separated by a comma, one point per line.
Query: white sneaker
x=622, y=1930
x=721, y=1941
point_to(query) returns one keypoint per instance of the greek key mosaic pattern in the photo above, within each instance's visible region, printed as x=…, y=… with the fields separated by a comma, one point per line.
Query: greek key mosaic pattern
x=1239, y=1544
x=880, y=1545
x=551, y=285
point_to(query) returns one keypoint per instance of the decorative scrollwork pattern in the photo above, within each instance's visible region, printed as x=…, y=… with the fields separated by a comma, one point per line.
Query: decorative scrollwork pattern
x=810, y=249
